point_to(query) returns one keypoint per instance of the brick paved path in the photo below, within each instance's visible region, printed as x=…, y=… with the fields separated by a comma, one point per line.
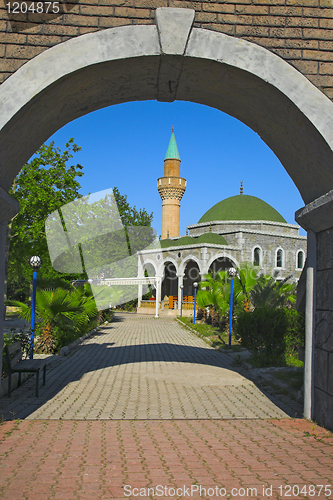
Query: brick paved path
x=145, y=369
x=139, y=368
x=95, y=460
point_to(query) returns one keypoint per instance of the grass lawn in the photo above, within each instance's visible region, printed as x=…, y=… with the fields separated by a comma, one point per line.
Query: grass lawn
x=212, y=333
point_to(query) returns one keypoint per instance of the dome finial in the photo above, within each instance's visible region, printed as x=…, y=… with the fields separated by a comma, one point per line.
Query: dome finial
x=172, y=129
x=241, y=188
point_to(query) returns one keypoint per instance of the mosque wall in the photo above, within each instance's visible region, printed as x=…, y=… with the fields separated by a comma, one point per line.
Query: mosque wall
x=269, y=246
x=228, y=226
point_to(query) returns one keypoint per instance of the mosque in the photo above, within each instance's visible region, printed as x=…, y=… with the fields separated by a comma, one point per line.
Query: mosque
x=236, y=230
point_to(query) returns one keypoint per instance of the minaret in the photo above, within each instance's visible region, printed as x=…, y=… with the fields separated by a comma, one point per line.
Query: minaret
x=171, y=188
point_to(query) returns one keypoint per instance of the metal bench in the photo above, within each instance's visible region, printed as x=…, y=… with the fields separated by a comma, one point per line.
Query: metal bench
x=17, y=364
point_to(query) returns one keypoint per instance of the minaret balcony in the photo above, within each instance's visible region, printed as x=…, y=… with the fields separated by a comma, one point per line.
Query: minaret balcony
x=171, y=182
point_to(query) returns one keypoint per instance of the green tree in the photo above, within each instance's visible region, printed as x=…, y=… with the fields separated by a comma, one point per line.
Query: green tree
x=130, y=216
x=268, y=292
x=44, y=184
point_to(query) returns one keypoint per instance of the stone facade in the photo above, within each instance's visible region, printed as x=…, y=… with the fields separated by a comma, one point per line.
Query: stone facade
x=269, y=237
x=323, y=352
x=192, y=262
x=300, y=32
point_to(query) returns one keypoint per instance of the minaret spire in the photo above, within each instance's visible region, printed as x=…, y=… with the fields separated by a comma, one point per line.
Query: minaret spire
x=171, y=188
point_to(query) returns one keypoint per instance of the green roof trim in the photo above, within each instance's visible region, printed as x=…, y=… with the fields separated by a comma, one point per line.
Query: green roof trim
x=172, y=152
x=213, y=238
x=242, y=207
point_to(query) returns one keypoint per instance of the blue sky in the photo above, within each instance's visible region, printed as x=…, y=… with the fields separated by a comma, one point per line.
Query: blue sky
x=124, y=146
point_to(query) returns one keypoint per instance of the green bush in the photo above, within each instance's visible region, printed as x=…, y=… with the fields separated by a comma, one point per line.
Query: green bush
x=295, y=335
x=68, y=333
x=270, y=334
x=262, y=331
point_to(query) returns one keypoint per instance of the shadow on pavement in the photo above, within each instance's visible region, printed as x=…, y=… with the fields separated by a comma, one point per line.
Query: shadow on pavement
x=97, y=356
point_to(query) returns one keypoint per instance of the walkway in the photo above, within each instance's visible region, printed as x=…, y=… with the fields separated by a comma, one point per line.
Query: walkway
x=142, y=368
x=169, y=391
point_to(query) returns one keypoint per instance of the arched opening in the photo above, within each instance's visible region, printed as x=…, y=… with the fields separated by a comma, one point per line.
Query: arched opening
x=279, y=258
x=300, y=259
x=256, y=256
x=124, y=64
x=170, y=284
x=149, y=271
x=220, y=264
x=191, y=275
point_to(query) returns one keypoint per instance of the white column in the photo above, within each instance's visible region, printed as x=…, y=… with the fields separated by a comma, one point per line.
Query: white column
x=310, y=310
x=158, y=294
x=139, y=294
x=180, y=282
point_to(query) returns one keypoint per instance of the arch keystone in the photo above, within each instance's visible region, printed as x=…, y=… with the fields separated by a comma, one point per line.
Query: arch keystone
x=174, y=26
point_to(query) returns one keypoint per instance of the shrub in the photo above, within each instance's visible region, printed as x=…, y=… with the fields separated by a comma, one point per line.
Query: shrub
x=270, y=334
x=263, y=331
x=295, y=335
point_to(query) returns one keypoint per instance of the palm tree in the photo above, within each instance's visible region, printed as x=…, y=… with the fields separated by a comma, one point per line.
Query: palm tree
x=215, y=292
x=58, y=308
x=246, y=279
x=268, y=292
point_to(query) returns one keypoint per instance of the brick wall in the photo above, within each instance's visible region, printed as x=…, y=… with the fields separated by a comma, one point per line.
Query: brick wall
x=300, y=31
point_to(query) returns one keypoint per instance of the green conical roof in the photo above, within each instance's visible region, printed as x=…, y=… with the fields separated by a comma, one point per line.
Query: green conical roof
x=172, y=152
x=242, y=207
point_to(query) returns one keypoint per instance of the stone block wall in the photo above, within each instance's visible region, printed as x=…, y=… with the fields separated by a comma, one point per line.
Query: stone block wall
x=268, y=245
x=323, y=356
x=299, y=31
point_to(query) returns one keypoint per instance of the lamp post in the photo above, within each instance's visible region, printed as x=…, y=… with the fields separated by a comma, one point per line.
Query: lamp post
x=195, y=284
x=181, y=300
x=35, y=262
x=232, y=273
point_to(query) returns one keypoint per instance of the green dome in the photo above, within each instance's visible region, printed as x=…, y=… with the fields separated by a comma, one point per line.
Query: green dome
x=213, y=238
x=185, y=240
x=242, y=207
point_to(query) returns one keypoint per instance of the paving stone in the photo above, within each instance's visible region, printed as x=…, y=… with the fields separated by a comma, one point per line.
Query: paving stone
x=142, y=368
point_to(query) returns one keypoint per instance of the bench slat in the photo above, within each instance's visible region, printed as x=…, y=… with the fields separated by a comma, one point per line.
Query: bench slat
x=29, y=365
x=14, y=347
x=15, y=359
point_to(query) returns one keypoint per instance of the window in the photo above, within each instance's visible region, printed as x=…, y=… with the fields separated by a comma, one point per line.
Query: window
x=279, y=258
x=300, y=260
x=256, y=257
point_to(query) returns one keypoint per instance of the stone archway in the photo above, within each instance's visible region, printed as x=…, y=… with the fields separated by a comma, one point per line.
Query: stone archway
x=220, y=264
x=191, y=275
x=172, y=61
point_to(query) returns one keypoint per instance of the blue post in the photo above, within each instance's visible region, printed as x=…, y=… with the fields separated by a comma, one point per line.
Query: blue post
x=195, y=303
x=33, y=306
x=181, y=302
x=230, y=314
